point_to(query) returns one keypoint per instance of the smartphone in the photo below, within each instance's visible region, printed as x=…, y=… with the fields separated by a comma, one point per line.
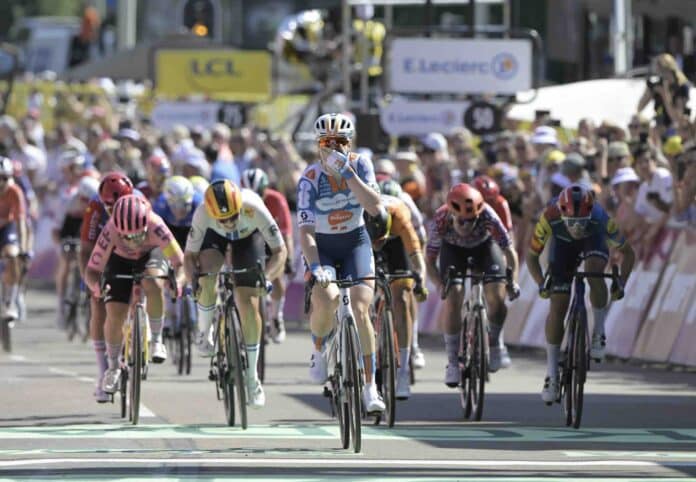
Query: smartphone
x=653, y=196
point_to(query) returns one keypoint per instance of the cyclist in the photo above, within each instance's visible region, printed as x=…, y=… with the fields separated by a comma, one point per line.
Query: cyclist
x=580, y=229
x=393, y=188
x=70, y=221
x=331, y=197
x=128, y=244
x=257, y=181
x=157, y=169
x=466, y=227
x=235, y=218
x=394, y=239
x=200, y=184
x=113, y=186
x=13, y=238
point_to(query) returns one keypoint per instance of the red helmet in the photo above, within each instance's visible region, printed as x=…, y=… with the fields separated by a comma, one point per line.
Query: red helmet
x=131, y=214
x=113, y=186
x=486, y=186
x=465, y=201
x=575, y=201
x=159, y=164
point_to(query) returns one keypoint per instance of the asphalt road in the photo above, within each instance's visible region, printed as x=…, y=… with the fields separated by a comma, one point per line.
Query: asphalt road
x=639, y=422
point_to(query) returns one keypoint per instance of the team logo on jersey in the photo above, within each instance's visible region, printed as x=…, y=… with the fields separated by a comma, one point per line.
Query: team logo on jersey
x=248, y=212
x=338, y=217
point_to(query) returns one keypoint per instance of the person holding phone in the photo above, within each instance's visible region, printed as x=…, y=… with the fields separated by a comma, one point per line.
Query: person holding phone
x=669, y=90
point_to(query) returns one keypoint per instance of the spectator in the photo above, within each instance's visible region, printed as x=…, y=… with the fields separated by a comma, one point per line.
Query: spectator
x=624, y=185
x=684, y=178
x=669, y=90
x=410, y=175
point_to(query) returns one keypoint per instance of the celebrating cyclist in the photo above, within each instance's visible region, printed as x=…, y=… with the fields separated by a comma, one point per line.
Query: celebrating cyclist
x=128, y=244
x=331, y=197
x=238, y=219
x=580, y=229
x=394, y=239
x=113, y=186
x=463, y=228
x=13, y=238
x=257, y=181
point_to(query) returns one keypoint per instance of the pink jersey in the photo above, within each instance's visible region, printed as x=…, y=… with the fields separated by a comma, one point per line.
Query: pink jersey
x=158, y=236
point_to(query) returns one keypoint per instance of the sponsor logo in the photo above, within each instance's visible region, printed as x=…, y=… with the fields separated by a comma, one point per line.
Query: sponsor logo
x=248, y=212
x=338, y=217
x=504, y=66
x=334, y=203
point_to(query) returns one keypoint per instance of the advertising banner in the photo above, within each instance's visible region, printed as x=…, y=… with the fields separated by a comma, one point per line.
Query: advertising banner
x=519, y=309
x=167, y=114
x=219, y=74
x=681, y=305
x=410, y=117
x=435, y=65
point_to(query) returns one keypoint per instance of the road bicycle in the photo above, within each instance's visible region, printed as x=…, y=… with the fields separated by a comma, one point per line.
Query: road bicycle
x=180, y=336
x=575, y=359
x=135, y=355
x=76, y=306
x=474, y=347
x=229, y=364
x=387, y=340
x=6, y=325
x=345, y=362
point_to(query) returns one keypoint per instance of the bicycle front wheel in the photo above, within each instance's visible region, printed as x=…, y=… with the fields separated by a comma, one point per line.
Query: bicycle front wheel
x=579, y=373
x=353, y=386
x=136, y=367
x=479, y=366
x=261, y=367
x=6, y=335
x=387, y=366
x=236, y=359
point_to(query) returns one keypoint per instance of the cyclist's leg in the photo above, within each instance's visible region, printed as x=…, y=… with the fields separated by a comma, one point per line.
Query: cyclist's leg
x=9, y=249
x=491, y=261
x=154, y=290
x=96, y=330
x=397, y=260
x=596, y=257
x=210, y=259
x=451, y=255
x=276, y=311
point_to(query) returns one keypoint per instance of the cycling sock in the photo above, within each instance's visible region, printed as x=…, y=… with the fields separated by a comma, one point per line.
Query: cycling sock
x=600, y=316
x=113, y=352
x=494, y=336
x=277, y=308
x=156, y=328
x=553, y=354
x=100, y=352
x=404, y=355
x=253, y=359
x=322, y=339
x=205, y=318
x=414, y=341
x=452, y=348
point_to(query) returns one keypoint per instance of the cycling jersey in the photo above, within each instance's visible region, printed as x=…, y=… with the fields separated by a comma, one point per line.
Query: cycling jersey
x=416, y=215
x=329, y=205
x=179, y=227
x=25, y=185
x=158, y=236
x=551, y=225
x=12, y=204
x=253, y=216
x=93, y=221
x=502, y=209
x=488, y=225
x=401, y=226
x=278, y=207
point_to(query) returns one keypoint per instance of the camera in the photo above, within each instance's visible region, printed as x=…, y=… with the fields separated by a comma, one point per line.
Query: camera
x=653, y=81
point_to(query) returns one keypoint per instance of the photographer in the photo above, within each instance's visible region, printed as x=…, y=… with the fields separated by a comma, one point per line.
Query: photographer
x=669, y=90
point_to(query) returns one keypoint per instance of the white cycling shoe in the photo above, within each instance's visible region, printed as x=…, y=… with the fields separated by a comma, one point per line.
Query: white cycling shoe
x=371, y=399
x=279, y=331
x=418, y=358
x=452, y=375
x=551, y=390
x=110, y=382
x=318, y=368
x=598, y=347
x=403, y=384
x=505, y=360
x=256, y=396
x=159, y=352
x=9, y=313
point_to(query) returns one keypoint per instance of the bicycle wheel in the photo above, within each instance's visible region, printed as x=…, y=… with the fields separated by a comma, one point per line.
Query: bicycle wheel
x=224, y=379
x=567, y=374
x=261, y=367
x=339, y=396
x=579, y=373
x=352, y=386
x=136, y=354
x=465, y=370
x=237, y=360
x=6, y=335
x=179, y=338
x=123, y=389
x=479, y=365
x=387, y=366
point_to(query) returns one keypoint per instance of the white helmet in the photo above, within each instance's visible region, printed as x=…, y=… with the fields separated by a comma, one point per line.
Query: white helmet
x=71, y=158
x=6, y=167
x=88, y=187
x=255, y=179
x=338, y=125
x=385, y=165
x=178, y=191
x=200, y=184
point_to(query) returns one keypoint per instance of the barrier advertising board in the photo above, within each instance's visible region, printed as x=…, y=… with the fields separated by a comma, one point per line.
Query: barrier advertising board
x=410, y=117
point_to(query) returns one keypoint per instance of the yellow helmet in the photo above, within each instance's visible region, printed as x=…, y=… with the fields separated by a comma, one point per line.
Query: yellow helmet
x=223, y=199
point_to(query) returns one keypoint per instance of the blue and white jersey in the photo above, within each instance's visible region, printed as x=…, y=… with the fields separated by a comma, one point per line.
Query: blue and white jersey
x=328, y=204
x=162, y=209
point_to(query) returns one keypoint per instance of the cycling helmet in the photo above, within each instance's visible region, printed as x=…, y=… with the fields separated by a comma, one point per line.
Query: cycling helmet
x=6, y=167
x=88, y=187
x=131, y=214
x=486, y=186
x=255, y=179
x=158, y=164
x=178, y=192
x=465, y=201
x=200, y=184
x=378, y=227
x=334, y=125
x=390, y=188
x=113, y=186
x=223, y=199
x=385, y=166
x=575, y=201
x=71, y=158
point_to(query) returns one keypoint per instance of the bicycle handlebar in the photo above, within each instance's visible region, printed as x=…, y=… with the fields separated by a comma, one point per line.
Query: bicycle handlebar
x=138, y=277
x=455, y=277
x=258, y=270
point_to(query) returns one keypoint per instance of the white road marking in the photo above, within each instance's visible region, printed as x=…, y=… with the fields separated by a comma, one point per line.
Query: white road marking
x=146, y=412
x=18, y=358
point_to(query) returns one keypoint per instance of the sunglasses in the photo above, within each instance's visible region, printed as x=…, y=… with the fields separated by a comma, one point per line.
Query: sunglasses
x=466, y=221
x=576, y=222
x=333, y=141
x=137, y=237
x=231, y=221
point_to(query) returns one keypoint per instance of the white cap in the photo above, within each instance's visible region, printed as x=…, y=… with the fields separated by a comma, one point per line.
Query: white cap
x=545, y=135
x=435, y=142
x=560, y=180
x=624, y=174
